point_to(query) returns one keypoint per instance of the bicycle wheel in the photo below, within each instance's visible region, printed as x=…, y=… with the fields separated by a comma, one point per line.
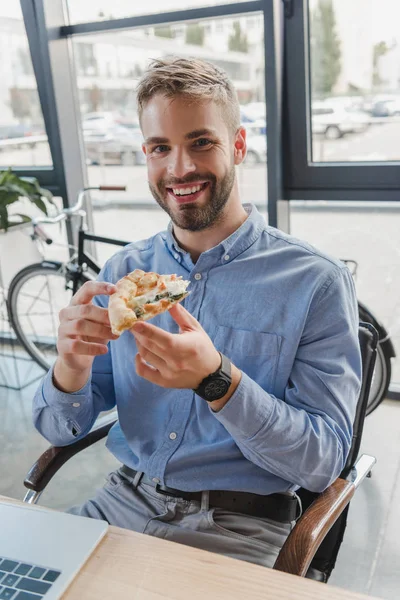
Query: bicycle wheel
x=380, y=380
x=383, y=368
x=35, y=297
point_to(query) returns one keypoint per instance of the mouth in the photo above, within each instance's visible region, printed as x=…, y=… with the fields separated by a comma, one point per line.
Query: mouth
x=184, y=194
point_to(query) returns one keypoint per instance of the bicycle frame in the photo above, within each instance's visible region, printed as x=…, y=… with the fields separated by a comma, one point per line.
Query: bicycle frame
x=85, y=259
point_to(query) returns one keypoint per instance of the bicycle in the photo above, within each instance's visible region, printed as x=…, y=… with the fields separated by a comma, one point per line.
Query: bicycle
x=384, y=353
x=31, y=283
x=39, y=291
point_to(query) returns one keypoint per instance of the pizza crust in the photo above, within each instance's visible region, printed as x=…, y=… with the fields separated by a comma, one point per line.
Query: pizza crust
x=138, y=298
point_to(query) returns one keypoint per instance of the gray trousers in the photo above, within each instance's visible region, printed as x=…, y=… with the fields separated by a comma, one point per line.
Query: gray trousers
x=125, y=503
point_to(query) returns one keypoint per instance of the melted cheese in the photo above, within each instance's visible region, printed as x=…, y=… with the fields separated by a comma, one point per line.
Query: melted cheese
x=173, y=288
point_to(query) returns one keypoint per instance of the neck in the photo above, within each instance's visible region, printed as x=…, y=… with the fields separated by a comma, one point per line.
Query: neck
x=197, y=242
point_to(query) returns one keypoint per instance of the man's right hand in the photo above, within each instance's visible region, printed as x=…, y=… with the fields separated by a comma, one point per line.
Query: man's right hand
x=83, y=333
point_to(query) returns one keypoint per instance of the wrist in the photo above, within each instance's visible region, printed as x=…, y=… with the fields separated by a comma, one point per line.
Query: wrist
x=217, y=405
x=69, y=380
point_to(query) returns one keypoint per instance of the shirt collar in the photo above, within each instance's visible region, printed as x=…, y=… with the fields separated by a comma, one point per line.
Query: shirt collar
x=232, y=246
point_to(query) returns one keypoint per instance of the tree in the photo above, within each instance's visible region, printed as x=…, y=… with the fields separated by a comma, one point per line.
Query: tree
x=379, y=50
x=164, y=32
x=238, y=39
x=20, y=103
x=326, y=53
x=194, y=35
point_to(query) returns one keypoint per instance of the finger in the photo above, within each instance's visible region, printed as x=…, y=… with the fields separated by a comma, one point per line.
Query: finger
x=82, y=327
x=151, y=336
x=152, y=358
x=90, y=289
x=183, y=318
x=76, y=346
x=89, y=312
x=148, y=372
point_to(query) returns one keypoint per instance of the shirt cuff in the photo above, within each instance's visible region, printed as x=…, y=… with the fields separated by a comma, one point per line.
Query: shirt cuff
x=55, y=397
x=247, y=411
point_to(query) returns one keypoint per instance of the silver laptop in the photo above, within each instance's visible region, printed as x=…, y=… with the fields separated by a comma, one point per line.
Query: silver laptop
x=41, y=551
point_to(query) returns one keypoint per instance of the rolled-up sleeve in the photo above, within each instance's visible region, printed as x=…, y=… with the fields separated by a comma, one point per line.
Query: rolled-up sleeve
x=64, y=418
x=305, y=436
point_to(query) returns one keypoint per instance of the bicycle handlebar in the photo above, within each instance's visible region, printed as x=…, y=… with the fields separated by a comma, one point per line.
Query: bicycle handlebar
x=76, y=209
x=112, y=188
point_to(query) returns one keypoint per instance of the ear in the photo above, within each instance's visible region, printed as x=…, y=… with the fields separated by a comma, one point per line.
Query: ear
x=240, y=146
x=144, y=149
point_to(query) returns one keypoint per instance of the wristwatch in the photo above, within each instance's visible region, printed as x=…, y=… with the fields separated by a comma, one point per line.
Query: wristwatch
x=216, y=385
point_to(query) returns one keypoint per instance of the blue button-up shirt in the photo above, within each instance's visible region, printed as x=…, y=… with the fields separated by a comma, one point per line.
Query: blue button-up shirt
x=286, y=315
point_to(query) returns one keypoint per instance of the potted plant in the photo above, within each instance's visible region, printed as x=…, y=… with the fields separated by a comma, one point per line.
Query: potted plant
x=16, y=246
x=12, y=189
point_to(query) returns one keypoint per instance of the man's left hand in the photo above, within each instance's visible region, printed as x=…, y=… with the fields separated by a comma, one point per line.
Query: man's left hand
x=173, y=360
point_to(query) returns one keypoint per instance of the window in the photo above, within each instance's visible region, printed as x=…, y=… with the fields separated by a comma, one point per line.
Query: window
x=98, y=10
x=342, y=80
x=23, y=140
x=354, y=231
x=340, y=168
x=111, y=133
x=355, y=76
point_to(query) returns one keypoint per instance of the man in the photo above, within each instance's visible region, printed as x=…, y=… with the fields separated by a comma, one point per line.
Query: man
x=272, y=413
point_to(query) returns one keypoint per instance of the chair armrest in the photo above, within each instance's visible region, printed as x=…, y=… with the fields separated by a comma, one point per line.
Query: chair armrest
x=304, y=540
x=310, y=530
x=54, y=457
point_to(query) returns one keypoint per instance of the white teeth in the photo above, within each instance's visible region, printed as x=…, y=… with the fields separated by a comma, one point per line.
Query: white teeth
x=187, y=191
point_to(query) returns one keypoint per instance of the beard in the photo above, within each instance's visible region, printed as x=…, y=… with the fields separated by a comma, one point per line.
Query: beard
x=192, y=217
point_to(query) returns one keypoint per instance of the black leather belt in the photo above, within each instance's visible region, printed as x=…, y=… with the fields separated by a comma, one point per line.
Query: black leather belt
x=283, y=508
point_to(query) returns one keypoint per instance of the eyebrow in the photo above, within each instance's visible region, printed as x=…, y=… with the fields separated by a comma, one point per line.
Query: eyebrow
x=192, y=135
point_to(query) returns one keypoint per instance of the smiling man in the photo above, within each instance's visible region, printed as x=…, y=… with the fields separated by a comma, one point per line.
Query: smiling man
x=230, y=403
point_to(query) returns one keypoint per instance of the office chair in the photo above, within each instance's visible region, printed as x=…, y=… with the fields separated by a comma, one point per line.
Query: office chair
x=312, y=546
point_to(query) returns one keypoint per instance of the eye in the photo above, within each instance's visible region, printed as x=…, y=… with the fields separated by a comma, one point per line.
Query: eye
x=161, y=148
x=202, y=142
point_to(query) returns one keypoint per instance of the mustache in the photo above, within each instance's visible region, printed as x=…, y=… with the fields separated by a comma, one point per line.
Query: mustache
x=190, y=179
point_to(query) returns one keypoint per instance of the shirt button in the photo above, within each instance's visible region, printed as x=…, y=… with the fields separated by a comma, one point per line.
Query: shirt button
x=156, y=480
x=76, y=404
x=176, y=256
x=172, y=435
x=226, y=257
x=197, y=276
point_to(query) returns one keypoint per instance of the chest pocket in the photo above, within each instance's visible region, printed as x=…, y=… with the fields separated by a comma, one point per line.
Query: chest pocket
x=254, y=352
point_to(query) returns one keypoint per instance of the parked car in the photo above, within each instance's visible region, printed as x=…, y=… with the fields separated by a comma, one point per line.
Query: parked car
x=115, y=145
x=334, y=121
x=106, y=119
x=385, y=107
x=256, y=149
x=19, y=130
x=255, y=111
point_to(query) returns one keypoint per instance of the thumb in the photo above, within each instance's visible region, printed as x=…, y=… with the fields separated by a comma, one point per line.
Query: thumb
x=183, y=318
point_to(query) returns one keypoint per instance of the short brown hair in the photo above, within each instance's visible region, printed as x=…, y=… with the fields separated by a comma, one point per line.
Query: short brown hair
x=193, y=78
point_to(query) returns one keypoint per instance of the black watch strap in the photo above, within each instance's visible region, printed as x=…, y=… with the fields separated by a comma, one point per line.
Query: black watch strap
x=226, y=366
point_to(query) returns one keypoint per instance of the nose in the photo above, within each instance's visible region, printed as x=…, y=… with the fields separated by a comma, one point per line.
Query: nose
x=180, y=163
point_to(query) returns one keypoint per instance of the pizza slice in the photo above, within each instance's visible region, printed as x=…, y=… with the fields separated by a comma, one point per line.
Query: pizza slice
x=141, y=296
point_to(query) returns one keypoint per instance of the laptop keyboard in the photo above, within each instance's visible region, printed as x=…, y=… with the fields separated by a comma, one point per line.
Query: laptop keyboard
x=20, y=581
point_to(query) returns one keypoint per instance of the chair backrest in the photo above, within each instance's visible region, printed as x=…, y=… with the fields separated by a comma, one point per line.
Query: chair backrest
x=325, y=558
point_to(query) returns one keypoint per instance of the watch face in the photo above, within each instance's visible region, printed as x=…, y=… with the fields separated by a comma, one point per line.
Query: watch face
x=216, y=389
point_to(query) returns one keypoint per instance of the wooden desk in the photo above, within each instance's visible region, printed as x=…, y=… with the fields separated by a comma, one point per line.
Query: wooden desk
x=128, y=565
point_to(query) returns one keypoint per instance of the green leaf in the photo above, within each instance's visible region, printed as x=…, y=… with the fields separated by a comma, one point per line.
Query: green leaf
x=39, y=203
x=13, y=187
x=7, y=198
x=24, y=218
x=3, y=218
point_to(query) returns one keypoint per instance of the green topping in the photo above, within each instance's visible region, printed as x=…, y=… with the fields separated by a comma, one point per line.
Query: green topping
x=177, y=297
x=166, y=295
